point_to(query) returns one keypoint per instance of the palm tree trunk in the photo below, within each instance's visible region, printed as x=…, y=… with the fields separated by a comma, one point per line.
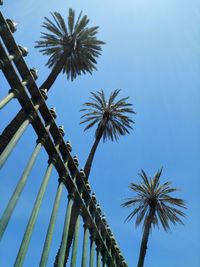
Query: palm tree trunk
x=14, y=125
x=145, y=237
x=75, y=212
x=47, y=84
x=90, y=158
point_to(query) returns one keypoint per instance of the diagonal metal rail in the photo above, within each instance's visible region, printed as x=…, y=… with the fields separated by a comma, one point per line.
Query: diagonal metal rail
x=32, y=100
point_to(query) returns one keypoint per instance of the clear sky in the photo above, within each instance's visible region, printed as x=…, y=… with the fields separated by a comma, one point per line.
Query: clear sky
x=152, y=53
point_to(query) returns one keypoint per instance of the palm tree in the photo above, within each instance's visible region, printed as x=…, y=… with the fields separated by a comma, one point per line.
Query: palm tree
x=153, y=205
x=111, y=118
x=112, y=122
x=72, y=49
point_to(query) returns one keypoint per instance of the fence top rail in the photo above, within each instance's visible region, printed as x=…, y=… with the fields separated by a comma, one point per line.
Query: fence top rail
x=73, y=179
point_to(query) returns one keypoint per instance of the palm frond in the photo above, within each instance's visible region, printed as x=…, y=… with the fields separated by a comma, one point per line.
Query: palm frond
x=115, y=118
x=154, y=198
x=74, y=41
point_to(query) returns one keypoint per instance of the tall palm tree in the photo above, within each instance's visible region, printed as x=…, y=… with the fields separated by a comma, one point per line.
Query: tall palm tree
x=111, y=118
x=72, y=48
x=153, y=205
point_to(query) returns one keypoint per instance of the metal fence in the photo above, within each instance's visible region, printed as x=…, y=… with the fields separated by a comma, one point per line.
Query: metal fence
x=81, y=203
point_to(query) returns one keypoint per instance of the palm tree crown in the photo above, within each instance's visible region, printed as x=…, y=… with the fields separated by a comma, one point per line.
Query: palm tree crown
x=151, y=195
x=111, y=114
x=111, y=118
x=74, y=41
x=73, y=49
x=153, y=204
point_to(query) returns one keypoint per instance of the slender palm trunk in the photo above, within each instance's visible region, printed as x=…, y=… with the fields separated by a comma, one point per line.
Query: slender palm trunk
x=145, y=237
x=75, y=212
x=90, y=158
x=14, y=125
x=47, y=84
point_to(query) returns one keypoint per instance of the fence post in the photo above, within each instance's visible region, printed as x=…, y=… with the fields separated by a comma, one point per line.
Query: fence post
x=29, y=229
x=19, y=188
x=98, y=249
x=49, y=235
x=75, y=243
x=61, y=256
x=104, y=260
x=84, y=249
x=7, y=99
x=5, y=154
x=92, y=245
x=11, y=145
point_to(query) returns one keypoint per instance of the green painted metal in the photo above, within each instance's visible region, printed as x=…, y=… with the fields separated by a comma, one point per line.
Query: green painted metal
x=18, y=190
x=98, y=258
x=113, y=259
x=13, y=142
x=92, y=245
x=75, y=243
x=30, y=226
x=84, y=251
x=49, y=235
x=104, y=263
x=6, y=100
x=61, y=256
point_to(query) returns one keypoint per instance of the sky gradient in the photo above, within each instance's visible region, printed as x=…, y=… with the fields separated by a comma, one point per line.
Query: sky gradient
x=152, y=54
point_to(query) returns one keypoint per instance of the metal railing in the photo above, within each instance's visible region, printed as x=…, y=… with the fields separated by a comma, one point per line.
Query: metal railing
x=32, y=100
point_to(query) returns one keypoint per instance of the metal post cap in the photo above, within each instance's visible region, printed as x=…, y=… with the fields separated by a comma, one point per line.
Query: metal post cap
x=61, y=130
x=23, y=50
x=44, y=93
x=82, y=174
x=93, y=196
x=109, y=231
x=12, y=25
x=34, y=73
x=103, y=218
x=88, y=187
x=53, y=112
x=68, y=145
x=99, y=209
x=75, y=158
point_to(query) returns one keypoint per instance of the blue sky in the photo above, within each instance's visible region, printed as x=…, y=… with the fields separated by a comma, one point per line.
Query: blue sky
x=152, y=54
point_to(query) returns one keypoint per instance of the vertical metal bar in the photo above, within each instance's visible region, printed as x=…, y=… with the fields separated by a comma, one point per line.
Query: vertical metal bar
x=115, y=262
x=75, y=243
x=92, y=244
x=84, y=250
x=104, y=263
x=30, y=226
x=98, y=257
x=61, y=256
x=13, y=142
x=18, y=190
x=49, y=235
x=6, y=100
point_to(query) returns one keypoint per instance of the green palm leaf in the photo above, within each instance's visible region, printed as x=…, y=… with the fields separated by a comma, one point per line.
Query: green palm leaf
x=111, y=114
x=74, y=41
x=150, y=195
